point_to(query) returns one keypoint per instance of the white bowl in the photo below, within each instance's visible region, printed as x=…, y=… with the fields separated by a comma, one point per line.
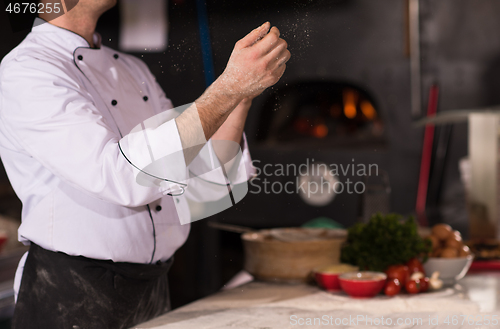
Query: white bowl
x=450, y=269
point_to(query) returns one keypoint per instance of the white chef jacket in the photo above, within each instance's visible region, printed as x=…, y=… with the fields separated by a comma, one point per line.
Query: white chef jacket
x=64, y=108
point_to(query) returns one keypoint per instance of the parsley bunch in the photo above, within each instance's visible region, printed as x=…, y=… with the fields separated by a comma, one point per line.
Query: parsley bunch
x=385, y=240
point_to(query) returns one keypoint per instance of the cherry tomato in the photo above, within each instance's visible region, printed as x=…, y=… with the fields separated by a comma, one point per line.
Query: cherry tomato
x=399, y=272
x=424, y=284
x=412, y=286
x=414, y=265
x=392, y=287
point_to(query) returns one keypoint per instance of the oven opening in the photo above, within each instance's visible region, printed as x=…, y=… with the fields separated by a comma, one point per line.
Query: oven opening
x=323, y=114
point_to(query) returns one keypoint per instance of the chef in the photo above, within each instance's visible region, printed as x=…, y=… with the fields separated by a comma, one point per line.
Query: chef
x=101, y=240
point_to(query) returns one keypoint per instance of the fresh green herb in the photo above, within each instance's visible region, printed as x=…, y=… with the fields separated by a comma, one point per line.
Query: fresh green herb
x=385, y=240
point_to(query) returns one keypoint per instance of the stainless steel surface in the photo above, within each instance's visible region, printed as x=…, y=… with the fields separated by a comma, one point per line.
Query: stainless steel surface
x=230, y=227
x=454, y=116
x=483, y=190
x=6, y=299
x=415, y=74
x=9, y=261
x=8, y=265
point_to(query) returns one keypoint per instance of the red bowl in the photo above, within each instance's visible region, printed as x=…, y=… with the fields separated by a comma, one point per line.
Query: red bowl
x=327, y=277
x=328, y=281
x=362, y=284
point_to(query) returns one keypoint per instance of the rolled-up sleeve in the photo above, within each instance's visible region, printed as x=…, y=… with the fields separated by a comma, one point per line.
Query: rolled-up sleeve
x=205, y=174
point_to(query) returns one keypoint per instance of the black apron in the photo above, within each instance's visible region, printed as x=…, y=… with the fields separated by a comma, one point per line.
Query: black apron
x=75, y=292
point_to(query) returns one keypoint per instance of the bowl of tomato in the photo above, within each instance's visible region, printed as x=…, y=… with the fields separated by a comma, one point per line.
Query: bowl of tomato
x=363, y=284
x=327, y=277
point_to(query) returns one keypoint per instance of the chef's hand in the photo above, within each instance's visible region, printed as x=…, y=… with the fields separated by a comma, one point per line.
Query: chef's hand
x=256, y=63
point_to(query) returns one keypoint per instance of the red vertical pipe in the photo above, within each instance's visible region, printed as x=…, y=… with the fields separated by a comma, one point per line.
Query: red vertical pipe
x=425, y=163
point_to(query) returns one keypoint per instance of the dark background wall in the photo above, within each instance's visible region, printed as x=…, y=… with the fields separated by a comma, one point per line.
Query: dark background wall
x=363, y=42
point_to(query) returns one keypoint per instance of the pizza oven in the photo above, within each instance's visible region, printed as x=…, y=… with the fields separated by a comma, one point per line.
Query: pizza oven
x=321, y=113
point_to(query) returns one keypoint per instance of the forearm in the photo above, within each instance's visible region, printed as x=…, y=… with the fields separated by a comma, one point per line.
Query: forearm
x=215, y=106
x=226, y=141
x=257, y=62
x=201, y=121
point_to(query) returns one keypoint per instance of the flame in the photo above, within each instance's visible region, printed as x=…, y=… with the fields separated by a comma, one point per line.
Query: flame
x=368, y=110
x=320, y=131
x=350, y=98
